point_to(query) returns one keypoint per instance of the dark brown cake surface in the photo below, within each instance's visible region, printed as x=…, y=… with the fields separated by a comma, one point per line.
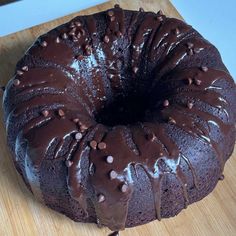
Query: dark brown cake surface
x=121, y=117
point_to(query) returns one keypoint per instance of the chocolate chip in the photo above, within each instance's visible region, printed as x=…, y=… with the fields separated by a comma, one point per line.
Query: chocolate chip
x=101, y=198
x=113, y=174
x=118, y=34
x=190, y=45
x=177, y=31
x=141, y=9
x=135, y=69
x=190, y=105
x=124, y=188
x=160, y=18
x=72, y=32
x=76, y=120
x=44, y=44
x=64, y=36
x=45, y=113
x=197, y=81
x=25, y=68
x=83, y=127
x=74, y=38
x=109, y=159
x=171, y=120
x=102, y=145
x=204, y=68
x=78, y=136
x=110, y=13
x=16, y=82
x=221, y=177
x=93, y=144
x=19, y=72
x=79, y=35
x=106, y=39
x=61, y=112
x=57, y=40
x=72, y=25
x=166, y=103
x=189, y=81
x=69, y=163
x=78, y=23
x=150, y=137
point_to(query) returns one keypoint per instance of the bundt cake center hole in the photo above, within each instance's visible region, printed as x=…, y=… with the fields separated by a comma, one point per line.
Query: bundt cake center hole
x=123, y=111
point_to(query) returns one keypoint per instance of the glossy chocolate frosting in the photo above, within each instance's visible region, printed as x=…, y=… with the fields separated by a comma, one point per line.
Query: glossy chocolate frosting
x=121, y=117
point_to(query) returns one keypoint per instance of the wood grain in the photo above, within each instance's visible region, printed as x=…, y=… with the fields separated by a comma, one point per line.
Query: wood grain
x=22, y=215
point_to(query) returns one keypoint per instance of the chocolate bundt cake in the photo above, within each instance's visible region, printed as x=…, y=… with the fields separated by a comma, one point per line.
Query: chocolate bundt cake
x=121, y=117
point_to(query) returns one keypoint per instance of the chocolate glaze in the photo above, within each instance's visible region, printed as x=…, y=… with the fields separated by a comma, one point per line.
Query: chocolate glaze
x=71, y=74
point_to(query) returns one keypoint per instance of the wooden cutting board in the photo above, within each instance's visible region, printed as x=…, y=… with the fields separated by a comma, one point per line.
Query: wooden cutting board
x=22, y=215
